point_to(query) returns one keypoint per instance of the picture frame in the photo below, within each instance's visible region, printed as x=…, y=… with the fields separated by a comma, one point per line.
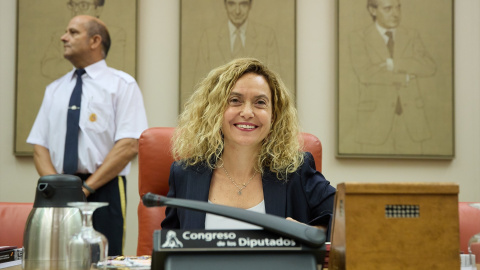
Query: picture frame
x=398, y=104
x=40, y=51
x=205, y=38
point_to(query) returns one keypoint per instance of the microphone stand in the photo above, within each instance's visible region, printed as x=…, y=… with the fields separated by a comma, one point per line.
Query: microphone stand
x=311, y=238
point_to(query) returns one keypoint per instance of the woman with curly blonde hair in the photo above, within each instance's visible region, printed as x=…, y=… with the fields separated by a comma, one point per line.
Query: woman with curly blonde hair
x=237, y=144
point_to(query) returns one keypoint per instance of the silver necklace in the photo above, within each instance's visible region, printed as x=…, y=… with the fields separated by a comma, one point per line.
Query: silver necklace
x=244, y=185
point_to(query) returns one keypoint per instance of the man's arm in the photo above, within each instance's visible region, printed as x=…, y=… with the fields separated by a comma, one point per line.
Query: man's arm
x=122, y=152
x=43, y=163
x=368, y=63
x=416, y=60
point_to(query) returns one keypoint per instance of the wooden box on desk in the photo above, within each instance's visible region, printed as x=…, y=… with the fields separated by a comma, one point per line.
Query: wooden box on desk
x=395, y=226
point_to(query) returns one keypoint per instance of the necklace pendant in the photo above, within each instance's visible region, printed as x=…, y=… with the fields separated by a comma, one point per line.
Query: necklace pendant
x=239, y=192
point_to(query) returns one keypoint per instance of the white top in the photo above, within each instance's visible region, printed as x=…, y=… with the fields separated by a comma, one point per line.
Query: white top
x=111, y=109
x=214, y=222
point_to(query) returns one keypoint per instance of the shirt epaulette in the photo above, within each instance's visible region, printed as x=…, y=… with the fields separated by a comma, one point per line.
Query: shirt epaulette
x=125, y=76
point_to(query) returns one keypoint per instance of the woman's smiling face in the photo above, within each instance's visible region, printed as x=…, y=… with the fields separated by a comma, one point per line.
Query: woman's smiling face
x=248, y=116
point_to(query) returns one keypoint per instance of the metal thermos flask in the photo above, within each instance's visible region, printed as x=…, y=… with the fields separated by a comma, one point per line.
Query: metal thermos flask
x=51, y=223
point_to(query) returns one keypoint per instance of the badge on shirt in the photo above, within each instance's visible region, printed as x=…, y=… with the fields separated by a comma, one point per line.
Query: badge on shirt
x=93, y=117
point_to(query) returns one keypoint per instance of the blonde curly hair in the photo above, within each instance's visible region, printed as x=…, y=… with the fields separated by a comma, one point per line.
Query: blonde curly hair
x=199, y=139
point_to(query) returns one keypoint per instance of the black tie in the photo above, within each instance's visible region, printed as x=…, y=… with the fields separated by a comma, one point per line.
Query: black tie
x=390, y=42
x=70, y=156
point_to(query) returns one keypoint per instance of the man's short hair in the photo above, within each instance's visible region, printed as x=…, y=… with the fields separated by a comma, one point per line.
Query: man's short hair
x=373, y=4
x=225, y=1
x=99, y=3
x=96, y=28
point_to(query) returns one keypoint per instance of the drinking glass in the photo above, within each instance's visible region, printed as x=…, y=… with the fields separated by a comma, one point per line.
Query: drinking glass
x=88, y=249
x=474, y=243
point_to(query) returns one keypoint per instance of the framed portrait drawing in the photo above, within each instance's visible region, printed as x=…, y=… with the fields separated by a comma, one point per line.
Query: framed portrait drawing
x=395, y=79
x=40, y=50
x=209, y=29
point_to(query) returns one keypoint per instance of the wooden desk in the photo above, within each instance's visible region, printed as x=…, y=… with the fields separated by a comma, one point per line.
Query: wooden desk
x=117, y=262
x=19, y=267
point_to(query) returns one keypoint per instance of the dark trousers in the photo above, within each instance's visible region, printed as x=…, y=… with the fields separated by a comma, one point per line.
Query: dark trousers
x=110, y=220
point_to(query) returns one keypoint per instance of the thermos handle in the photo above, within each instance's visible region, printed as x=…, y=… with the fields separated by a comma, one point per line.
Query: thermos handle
x=56, y=190
x=47, y=190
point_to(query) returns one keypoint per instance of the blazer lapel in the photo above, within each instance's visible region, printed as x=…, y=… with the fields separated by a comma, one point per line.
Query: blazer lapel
x=377, y=42
x=199, y=189
x=223, y=42
x=251, y=42
x=274, y=194
x=401, y=41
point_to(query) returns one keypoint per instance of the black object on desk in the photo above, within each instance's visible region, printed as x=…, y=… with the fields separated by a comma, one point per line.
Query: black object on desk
x=281, y=245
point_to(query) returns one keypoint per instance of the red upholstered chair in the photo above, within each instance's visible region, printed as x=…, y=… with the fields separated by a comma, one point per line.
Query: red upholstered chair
x=154, y=161
x=469, y=223
x=13, y=217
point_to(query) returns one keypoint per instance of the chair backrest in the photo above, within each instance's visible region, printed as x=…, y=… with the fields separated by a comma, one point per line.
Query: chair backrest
x=13, y=217
x=154, y=161
x=469, y=223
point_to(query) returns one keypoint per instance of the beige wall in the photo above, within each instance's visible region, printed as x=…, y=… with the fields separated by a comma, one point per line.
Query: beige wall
x=158, y=66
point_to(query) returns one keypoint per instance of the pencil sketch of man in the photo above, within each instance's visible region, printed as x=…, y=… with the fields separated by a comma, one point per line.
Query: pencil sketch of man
x=53, y=64
x=238, y=37
x=388, y=60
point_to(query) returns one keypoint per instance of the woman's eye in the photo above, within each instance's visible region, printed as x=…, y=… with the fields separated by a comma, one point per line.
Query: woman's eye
x=234, y=101
x=261, y=103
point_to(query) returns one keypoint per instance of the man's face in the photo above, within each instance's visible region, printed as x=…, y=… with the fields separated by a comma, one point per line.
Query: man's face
x=237, y=11
x=387, y=13
x=84, y=7
x=76, y=42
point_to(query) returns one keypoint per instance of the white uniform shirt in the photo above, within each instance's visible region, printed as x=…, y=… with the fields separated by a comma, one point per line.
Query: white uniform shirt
x=111, y=109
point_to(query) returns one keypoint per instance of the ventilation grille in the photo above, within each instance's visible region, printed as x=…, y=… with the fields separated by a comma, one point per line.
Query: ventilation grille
x=402, y=211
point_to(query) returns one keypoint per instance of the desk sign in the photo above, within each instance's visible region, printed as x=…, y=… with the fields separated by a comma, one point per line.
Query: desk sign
x=232, y=249
x=191, y=240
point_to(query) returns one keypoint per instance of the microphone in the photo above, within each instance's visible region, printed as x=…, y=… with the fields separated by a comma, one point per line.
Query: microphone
x=308, y=235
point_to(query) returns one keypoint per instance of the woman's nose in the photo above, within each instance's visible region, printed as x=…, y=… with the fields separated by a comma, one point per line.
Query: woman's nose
x=247, y=110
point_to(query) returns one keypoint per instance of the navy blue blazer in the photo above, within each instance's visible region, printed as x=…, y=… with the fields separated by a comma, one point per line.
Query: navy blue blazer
x=306, y=197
